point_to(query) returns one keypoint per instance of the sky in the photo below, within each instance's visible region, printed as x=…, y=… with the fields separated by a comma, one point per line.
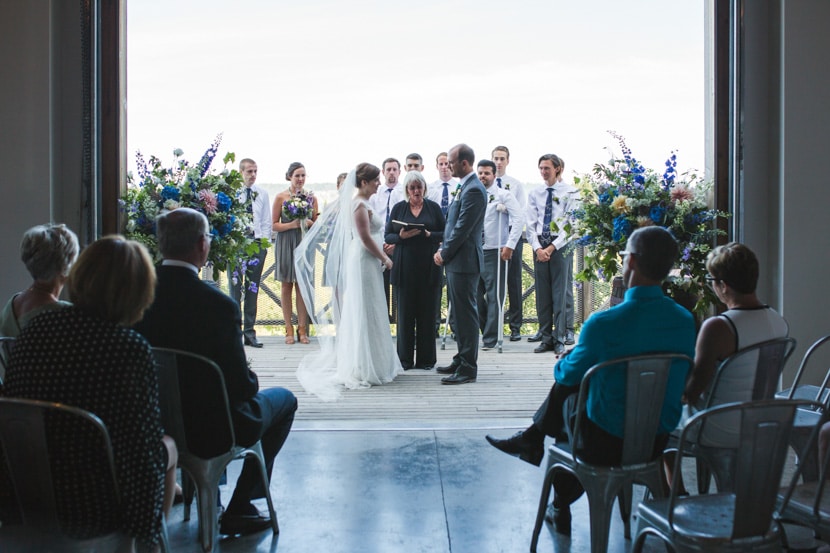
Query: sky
x=332, y=83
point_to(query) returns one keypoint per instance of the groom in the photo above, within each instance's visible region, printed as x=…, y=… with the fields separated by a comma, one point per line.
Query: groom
x=463, y=258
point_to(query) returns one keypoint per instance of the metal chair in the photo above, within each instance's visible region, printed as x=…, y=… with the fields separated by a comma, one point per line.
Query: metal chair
x=30, y=456
x=215, y=415
x=740, y=519
x=646, y=379
x=764, y=362
x=6, y=343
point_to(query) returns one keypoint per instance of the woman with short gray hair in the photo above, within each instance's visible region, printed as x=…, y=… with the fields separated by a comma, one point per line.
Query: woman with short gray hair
x=48, y=251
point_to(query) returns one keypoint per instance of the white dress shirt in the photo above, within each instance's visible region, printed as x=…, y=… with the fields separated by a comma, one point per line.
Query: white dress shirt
x=516, y=187
x=565, y=200
x=261, y=206
x=502, y=228
x=384, y=197
x=436, y=189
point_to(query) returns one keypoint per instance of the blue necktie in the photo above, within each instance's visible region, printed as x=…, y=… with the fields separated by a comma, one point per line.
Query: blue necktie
x=445, y=199
x=548, y=217
x=249, y=205
x=388, y=197
x=498, y=181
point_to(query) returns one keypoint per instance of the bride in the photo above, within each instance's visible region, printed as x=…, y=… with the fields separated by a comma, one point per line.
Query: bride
x=349, y=314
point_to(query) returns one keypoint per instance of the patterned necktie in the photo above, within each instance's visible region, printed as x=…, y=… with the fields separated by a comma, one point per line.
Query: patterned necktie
x=445, y=199
x=498, y=181
x=388, y=197
x=548, y=217
x=249, y=205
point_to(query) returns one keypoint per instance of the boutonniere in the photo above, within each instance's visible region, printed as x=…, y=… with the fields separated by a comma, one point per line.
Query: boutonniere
x=457, y=190
x=556, y=199
x=491, y=199
x=507, y=186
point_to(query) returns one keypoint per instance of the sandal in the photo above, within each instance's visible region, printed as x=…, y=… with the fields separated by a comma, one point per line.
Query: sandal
x=302, y=335
x=289, y=334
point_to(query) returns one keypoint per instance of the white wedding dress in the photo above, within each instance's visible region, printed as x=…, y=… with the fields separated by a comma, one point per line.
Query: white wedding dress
x=351, y=319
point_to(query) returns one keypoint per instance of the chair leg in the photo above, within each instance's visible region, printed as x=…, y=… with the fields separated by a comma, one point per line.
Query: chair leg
x=625, y=498
x=188, y=491
x=543, y=505
x=704, y=476
x=600, y=507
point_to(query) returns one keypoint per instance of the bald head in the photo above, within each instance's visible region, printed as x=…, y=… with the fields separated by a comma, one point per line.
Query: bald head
x=181, y=234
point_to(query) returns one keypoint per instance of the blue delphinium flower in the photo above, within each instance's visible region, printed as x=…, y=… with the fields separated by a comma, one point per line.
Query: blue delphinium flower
x=207, y=157
x=687, y=252
x=223, y=202
x=171, y=192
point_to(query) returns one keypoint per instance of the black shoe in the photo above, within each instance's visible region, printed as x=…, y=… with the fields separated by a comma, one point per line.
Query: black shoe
x=535, y=338
x=519, y=446
x=488, y=347
x=449, y=369
x=424, y=367
x=569, y=339
x=407, y=367
x=543, y=347
x=560, y=518
x=253, y=342
x=515, y=336
x=459, y=378
x=558, y=348
x=232, y=524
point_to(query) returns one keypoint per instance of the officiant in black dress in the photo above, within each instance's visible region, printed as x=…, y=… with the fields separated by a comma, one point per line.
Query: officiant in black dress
x=416, y=227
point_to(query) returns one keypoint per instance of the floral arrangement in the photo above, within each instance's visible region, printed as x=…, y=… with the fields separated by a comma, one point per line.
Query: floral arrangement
x=157, y=189
x=298, y=206
x=622, y=196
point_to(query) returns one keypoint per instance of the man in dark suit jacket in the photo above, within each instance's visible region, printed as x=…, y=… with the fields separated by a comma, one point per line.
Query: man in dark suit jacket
x=194, y=316
x=463, y=258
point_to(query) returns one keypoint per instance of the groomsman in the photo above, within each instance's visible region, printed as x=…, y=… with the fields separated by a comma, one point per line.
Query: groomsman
x=462, y=256
x=548, y=209
x=258, y=205
x=442, y=192
x=414, y=162
x=382, y=203
x=502, y=230
x=501, y=157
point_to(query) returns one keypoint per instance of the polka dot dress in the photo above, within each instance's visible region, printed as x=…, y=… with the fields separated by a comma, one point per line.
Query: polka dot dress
x=69, y=357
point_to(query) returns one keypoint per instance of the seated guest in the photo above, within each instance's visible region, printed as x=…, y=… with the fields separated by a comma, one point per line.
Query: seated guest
x=87, y=357
x=645, y=322
x=733, y=274
x=191, y=315
x=48, y=251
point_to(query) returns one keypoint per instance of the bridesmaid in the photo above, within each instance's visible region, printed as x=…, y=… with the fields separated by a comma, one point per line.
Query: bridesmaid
x=289, y=235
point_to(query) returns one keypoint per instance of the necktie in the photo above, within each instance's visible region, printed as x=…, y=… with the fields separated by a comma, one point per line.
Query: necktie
x=388, y=197
x=249, y=205
x=445, y=199
x=548, y=218
x=498, y=181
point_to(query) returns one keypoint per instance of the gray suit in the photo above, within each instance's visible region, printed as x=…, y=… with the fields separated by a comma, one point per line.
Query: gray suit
x=464, y=262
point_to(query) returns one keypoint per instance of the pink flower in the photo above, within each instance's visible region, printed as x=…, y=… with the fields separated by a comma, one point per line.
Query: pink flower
x=209, y=199
x=681, y=194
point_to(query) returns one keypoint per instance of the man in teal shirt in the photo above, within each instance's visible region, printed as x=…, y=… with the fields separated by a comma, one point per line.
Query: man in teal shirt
x=645, y=322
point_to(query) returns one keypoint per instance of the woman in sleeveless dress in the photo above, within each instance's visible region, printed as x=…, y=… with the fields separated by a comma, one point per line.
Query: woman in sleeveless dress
x=289, y=235
x=356, y=346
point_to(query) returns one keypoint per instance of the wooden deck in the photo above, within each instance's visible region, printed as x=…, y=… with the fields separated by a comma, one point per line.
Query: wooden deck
x=510, y=385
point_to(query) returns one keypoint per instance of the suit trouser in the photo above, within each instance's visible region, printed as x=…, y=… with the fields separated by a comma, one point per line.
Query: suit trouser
x=416, y=317
x=461, y=289
x=252, y=276
x=488, y=304
x=552, y=281
x=277, y=407
x=569, y=296
x=514, y=288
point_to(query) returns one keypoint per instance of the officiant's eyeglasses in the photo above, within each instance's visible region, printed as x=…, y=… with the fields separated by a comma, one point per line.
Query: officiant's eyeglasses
x=625, y=253
x=711, y=279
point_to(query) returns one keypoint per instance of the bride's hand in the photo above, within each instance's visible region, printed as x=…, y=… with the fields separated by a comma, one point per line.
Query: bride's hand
x=387, y=263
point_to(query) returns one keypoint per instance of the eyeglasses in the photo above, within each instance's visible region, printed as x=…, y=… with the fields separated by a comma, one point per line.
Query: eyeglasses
x=625, y=253
x=710, y=279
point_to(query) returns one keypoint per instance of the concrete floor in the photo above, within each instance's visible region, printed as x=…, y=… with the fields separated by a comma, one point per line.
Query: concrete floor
x=366, y=488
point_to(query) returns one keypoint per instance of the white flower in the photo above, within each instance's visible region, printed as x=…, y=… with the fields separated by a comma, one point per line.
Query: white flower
x=178, y=152
x=130, y=225
x=171, y=205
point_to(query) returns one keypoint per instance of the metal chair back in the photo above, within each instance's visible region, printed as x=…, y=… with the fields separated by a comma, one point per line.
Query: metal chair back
x=31, y=457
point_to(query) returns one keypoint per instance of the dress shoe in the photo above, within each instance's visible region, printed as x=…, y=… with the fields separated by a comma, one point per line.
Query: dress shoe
x=449, y=369
x=459, y=378
x=515, y=336
x=535, y=338
x=253, y=342
x=248, y=521
x=558, y=348
x=407, y=367
x=424, y=367
x=560, y=518
x=488, y=347
x=569, y=339
x=543, y=347
x=520, y=446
